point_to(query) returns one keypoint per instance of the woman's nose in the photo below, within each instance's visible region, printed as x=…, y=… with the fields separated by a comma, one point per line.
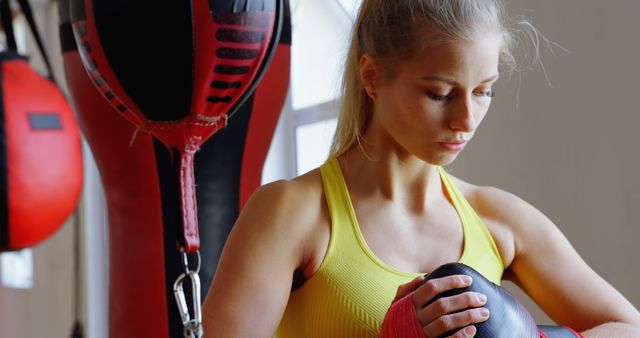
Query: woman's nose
x=462, y=116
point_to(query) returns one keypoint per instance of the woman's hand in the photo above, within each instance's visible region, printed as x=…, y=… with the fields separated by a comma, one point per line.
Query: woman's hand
x=454, y=315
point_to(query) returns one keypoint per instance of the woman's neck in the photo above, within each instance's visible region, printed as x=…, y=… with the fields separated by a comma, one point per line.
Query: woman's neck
x=388, y=174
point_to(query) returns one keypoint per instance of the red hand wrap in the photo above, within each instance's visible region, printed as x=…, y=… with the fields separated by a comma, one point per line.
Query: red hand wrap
x=564, y=328
x=401, y=320
x=578, y=334
x=542, y=335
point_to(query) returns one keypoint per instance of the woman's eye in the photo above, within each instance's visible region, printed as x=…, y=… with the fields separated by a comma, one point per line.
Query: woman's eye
x=486, y=93
x=438, y=97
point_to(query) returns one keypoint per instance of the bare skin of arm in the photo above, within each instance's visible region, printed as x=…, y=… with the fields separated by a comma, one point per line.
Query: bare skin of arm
x=550, y=271
x=254, y=276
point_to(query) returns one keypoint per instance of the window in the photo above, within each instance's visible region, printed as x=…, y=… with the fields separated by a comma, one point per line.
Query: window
x=16, y=269
x=313, y=141
x=321, y=32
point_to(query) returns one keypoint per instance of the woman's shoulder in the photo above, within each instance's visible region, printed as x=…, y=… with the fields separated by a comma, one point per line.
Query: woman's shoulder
x=294, y=208
x=493, y=202
x=508, y=217
x=295, y=197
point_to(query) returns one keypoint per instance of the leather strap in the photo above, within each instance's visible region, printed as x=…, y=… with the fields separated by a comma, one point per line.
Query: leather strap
x=191, y=239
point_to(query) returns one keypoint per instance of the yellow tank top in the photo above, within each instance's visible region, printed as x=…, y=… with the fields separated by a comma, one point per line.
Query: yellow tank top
x=352, y=289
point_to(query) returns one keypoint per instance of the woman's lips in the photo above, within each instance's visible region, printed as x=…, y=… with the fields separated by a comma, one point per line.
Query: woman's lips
x=457, y=146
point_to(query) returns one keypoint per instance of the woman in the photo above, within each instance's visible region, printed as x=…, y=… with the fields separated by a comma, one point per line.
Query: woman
x=324, y=254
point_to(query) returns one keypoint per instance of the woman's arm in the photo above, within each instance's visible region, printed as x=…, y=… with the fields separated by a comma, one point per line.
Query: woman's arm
x=551, y=272
x=253, y=281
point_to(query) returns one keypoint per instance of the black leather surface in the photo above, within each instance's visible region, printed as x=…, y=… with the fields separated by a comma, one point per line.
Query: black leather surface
x=508, y=319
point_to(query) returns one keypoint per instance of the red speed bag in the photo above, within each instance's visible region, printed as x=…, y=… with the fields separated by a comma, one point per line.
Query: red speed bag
x=40, y=155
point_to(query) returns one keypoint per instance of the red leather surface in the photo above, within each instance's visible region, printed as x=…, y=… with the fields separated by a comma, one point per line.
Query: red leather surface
x=138, y=305
x=205, y=118
x=206, y=47
x=44, y=166
x=188, y=199
x=267, y=104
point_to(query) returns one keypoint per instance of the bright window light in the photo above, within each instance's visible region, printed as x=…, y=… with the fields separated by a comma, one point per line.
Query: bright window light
x=313, y=141
x=321, y=31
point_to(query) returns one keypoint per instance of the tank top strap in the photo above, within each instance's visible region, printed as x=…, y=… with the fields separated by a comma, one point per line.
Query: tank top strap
x=481, y=250
x=346, y=237
x=334, y=187
x=344, y=232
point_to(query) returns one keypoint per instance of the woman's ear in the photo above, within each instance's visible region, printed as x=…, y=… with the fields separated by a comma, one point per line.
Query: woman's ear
x=369, y=74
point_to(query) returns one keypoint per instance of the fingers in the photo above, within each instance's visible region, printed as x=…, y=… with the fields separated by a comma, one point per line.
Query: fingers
x=450, y=304
x=434, y=287
x=451, y=322
x=468, y=331
x=405, y=289
x=454, y=313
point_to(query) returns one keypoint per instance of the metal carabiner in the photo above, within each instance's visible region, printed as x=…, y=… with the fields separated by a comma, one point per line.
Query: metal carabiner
x=178, y=292
x=192, y=327
x=185, y=261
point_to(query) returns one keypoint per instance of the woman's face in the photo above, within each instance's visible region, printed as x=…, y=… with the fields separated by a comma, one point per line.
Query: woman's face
x=437, y=98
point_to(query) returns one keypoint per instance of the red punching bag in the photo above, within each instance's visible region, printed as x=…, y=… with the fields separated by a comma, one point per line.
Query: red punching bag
x=139, y=188
x=177, y=69
x=40, y=151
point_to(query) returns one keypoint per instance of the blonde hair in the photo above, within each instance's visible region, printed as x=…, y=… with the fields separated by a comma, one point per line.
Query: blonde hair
x=388, y=30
